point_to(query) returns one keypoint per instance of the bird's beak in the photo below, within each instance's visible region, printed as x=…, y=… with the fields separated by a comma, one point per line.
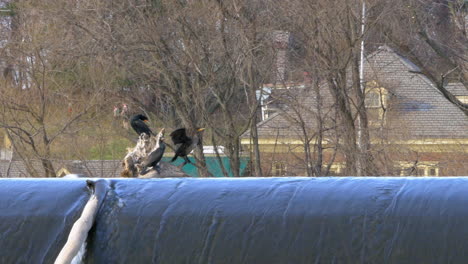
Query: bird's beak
x=201, y=129
x=146, y=121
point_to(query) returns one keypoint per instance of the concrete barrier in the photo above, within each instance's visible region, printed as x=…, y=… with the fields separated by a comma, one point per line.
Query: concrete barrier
x=243, y=220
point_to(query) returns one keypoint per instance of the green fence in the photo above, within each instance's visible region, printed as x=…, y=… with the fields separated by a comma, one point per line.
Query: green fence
x=213, y=165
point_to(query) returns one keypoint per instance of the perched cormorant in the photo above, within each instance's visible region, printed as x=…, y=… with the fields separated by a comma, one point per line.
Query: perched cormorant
x=138, y=124
x=154, y=157
x=185, y=142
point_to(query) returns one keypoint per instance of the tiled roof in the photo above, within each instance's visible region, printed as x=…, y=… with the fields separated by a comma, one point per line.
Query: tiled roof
x=296, y=109
x=16, y=168
x=457, y=89
x=421, y=110
x=90, y=168
x=417, y=109
x=278, y=98
x=97, y=168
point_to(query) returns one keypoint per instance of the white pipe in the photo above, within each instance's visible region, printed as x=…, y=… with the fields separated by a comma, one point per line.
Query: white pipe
x=78, y=232
x=81, y=227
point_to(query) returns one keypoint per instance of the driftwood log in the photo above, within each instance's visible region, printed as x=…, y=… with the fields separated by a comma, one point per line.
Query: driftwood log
x=135, y=156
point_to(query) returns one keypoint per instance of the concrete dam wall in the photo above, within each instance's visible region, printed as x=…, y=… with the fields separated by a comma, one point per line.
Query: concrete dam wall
x=242, y=220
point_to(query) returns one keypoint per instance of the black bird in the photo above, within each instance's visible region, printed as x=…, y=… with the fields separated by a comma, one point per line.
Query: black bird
x=138, y=124
x=154, y=157
x=185, y=142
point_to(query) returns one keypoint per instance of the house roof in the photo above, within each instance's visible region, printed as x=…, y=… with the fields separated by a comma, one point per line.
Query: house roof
x=457, y=89
x=279, y=98
x=90, y=168
x=298, y=108
x=422, y=111
x=418, y=111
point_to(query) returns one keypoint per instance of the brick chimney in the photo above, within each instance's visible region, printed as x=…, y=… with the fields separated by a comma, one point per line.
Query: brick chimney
x=281, y=42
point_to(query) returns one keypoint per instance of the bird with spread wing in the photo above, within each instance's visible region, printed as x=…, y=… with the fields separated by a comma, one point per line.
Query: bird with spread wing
x=185, y=140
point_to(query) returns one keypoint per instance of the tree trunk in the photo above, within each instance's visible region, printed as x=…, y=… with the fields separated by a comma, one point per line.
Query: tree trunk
x=234, y=161
x=201, y=161
x=48, y=168
x=257, y=172
x=364, y=164
x=338, y=89
x=318, y=145
x=218, y=156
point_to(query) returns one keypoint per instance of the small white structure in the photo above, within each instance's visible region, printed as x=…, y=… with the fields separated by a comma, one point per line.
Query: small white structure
x=211, y=150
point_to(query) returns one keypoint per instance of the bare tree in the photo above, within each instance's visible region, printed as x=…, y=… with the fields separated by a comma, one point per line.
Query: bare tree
x=41, y=99
x=187, y=65
x=312, y=120
x=330, y=35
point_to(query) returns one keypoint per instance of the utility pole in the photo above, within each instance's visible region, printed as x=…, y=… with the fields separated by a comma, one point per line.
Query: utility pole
x=361, y=66
x=361, y=85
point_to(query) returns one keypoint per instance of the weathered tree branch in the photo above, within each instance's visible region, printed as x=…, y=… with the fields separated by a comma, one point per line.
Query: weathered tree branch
x=145, y=145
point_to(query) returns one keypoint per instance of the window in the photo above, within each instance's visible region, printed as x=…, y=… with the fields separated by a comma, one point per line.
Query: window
x=278, y=168
x=336, y=169
x=269, y=112
x=373, y=100
x=7, y=142
x=418, y=169
x=421, y=172
x=376, y=103
x=463, y=99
